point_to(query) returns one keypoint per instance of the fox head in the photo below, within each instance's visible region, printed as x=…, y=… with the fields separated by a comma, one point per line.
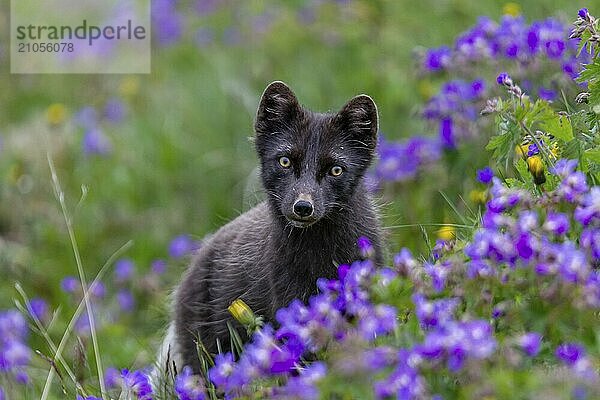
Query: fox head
x=312, y=163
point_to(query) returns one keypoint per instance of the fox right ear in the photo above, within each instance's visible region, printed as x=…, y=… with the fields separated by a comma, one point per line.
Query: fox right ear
x=278, y=106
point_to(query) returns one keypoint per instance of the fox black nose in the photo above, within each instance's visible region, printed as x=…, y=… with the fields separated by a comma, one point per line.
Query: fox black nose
x=303, y=208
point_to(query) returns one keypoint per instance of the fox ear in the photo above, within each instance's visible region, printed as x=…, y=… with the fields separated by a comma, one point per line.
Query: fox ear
x=359, y=120
x=278, y=106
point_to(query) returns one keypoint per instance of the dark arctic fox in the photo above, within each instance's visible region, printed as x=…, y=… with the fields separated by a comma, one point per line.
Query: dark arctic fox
x=312, y=168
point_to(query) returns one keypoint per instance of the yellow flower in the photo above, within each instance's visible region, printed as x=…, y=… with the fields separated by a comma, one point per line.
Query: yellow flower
x=446, y=232
x=511, y=9
x=478, y=196
x=536, y=167
x=56, y=114
x=555, y=150
x=521, y=151
x=129, y=86
x=425, y=89
x=242, y=312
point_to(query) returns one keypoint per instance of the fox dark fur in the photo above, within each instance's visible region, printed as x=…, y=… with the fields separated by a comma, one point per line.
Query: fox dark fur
x=312, y=168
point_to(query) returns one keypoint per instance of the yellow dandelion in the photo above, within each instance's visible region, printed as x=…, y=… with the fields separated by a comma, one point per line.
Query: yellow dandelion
x=536, y=167
x=425, y=89
x=478, y=196
x=446, y=232
x=521, y=151
x=511, y=8
x=242, y=312
x=129, y=86
x=56, y=114
x=555, y=150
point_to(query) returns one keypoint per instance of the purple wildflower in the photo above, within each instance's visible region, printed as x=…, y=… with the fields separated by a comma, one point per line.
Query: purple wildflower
x=304, y=386
x=556, y=223
x=14, y=355
x=436, y=313
x=124, y=270
x=95, y=142
x=112, y=377
x=530, y=343
x=87, y=118
x=485, y=175
x=438, y=274
x=137, y=383
x=365, y=247
x=590, y=241
x=376, y=321
x=158, y=266
x=437, y=59
x=555, y=48
x=404, y=382
x=504, y=79
x=188, y=386
x=404, y=262
x=69, y=284
x=125, y=300
x=222, y=369
x=114, y=110
x=583, y=13
x=563, y=168
x=547, y=94
x=479, y=268
x=97, y=289
x=447, y=133
x=588, y=212
x=39, y=308
x=180, y=246
x=569, y=353
x=167, y=22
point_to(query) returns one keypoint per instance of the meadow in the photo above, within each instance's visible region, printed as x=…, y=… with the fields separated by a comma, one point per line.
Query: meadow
x=487, y=178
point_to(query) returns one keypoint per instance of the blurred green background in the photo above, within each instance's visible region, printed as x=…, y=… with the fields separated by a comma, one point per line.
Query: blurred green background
x=179, y=160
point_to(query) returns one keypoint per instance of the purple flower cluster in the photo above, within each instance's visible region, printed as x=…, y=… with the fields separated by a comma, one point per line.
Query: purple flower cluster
x=402, y=161
x=137, y=383
x=134, y=384
x=511, y=39
x=452, y=112
x=455, y=342
x=454, y=109
x=576, y=358
x=189, y=386
x=15, y=355
x=515, y=234
x=182, y=245
x=95, y=141
x=308, y=329
x=344, y=313
x=167, y=21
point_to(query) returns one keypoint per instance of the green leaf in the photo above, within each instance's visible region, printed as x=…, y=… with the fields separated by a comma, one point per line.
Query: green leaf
x=585, y=37
x=572, y=149
x=497, y=141
x=590, y=73
x=592, y=155
x=559, y=126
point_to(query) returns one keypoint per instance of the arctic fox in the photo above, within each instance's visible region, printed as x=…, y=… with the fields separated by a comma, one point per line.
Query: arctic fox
x=312, y=168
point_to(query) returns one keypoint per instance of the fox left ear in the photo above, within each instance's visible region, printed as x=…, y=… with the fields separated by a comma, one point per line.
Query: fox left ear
x=278, y=106
x=359, y=119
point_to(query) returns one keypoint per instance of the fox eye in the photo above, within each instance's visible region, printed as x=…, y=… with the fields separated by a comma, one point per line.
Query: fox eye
x=336, y=170
x=285, y=162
